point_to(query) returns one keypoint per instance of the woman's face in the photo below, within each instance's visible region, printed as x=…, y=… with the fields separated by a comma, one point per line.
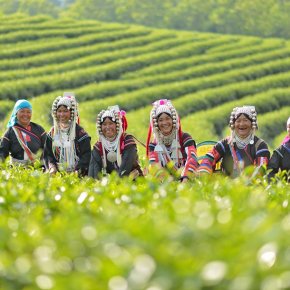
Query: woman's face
x=243, y=126
x=109, y=128
x=63, y=114
x=24, y=117
x=165, y=124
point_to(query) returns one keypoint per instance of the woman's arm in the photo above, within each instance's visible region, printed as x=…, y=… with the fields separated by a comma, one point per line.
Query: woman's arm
x=208, y=163
x=274, y=163
x=191, y=163
x=84, y=155
x=129, y=156
x=262, y=154
x=5, y=146
x=95, y=167
x=48, y=156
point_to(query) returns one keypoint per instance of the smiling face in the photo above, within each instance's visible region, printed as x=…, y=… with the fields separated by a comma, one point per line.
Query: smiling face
x=24, y=117
x=109, y=128
x=165, y=124
x=63, y=114
x=243, y=126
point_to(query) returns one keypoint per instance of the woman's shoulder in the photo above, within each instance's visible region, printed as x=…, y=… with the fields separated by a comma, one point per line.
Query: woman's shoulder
x=259, y=142
x=81, y=132
x=97, y=146
x=37, y=127
x=285, y=147
x=187, y=139
x=224, y=142
x=128, y=139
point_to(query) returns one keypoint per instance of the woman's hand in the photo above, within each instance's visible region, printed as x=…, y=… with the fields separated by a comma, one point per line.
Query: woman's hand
x=52, y=170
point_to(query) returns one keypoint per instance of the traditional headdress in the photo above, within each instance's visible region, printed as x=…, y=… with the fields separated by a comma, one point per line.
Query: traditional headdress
x=20, y=104
x=159, y=107
x=251, y=114
x=66, y=150
x=68, y=100
x=112, y=146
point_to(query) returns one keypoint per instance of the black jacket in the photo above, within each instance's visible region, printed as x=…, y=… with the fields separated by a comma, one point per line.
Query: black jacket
x=280, y=160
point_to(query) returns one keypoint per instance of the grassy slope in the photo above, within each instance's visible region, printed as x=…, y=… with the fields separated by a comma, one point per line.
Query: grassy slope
x=132, y=66
x=65, y=233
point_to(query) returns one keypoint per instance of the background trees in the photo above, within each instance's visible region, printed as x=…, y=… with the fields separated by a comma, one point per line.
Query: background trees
x=267, y=18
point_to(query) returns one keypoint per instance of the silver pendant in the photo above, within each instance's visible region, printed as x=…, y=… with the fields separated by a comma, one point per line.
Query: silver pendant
x=112, y=156
x=252, y=142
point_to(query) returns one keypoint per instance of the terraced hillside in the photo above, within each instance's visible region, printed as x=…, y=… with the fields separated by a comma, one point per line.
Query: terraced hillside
x=105, y=64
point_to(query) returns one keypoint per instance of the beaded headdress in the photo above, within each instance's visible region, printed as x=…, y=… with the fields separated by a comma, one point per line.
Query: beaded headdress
x=112, y=148
x=68, y=100
x=116, y=115
x=159, y=107
x=163, y=106
x=67, y=152
x=249, y=111
x=251, y=114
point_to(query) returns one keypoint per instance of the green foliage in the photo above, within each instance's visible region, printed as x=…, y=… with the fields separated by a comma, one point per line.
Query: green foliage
x=267, y=18
x=261, y=18
x=108, y=64
x=212, y=233
x=63, y=232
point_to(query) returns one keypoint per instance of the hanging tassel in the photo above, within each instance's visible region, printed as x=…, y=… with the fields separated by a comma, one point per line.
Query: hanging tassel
x=119, y=158
x=104, y=156
x=161, y=158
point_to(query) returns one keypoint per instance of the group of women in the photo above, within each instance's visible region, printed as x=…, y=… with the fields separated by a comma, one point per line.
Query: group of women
x=67, y=146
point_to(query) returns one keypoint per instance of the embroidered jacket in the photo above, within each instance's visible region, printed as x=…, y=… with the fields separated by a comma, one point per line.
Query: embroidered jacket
x=33, y=137
x=280, y=160
x=189, y=158
x=129, y=158
x=83, y=150
x=234, y=160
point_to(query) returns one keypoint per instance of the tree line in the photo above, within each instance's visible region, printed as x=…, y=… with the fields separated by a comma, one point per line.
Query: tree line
x=266, y=18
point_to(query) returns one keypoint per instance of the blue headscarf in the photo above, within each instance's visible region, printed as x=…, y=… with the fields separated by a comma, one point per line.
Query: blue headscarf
x=20, y=104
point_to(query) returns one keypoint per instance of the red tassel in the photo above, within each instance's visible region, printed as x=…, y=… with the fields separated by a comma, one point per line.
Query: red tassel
x=124, y=123
x=148, y=140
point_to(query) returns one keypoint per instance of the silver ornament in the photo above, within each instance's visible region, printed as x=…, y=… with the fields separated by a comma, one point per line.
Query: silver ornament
x=112, y=156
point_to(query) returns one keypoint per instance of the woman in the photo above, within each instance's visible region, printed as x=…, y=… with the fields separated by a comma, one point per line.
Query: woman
x=170, y=147
x=280, y=160
x=23, y=138
x=115, y=150
x=242, y=148
x=287, y=137
x=68, y=146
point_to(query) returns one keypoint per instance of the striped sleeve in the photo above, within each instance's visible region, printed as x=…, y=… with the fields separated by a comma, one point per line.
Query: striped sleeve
x=191, y=163
x=262, y=154
x=129, y=141
x=208, y=163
